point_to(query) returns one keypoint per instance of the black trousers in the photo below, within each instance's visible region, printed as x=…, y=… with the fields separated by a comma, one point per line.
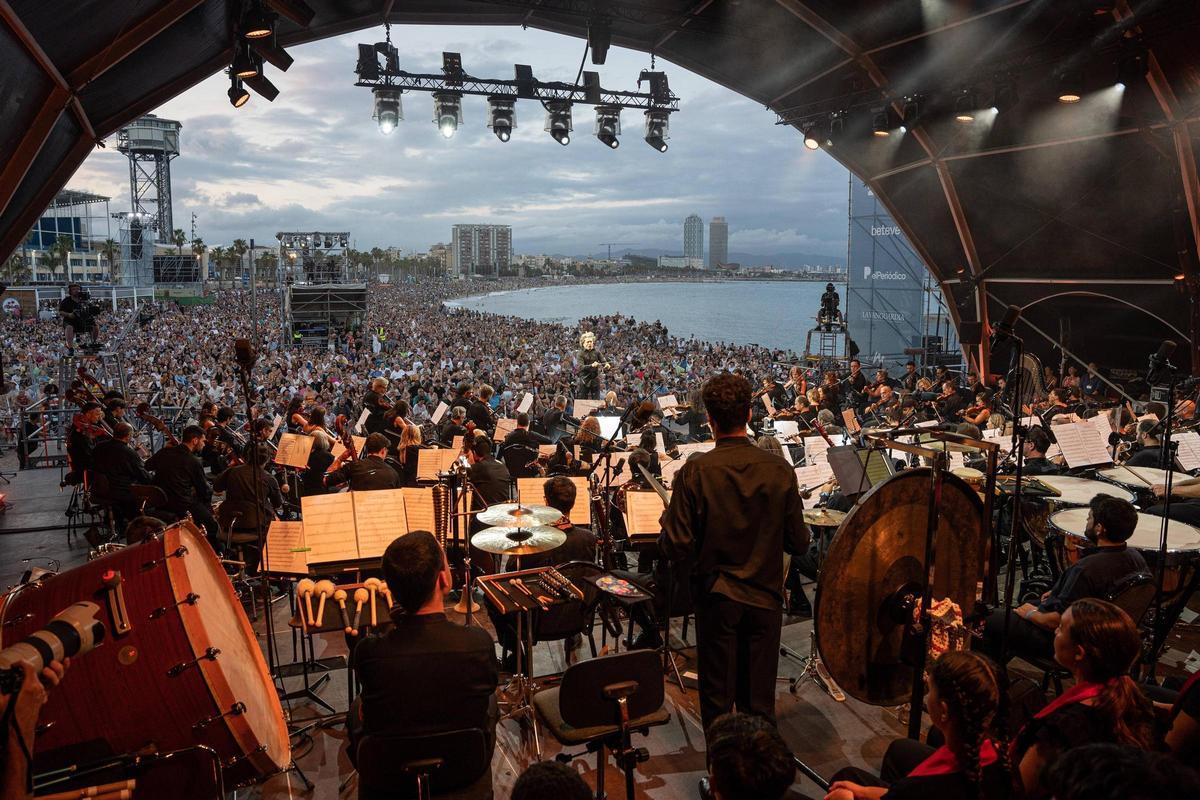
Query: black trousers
x=1024, y=638
x=737, y=655
x=1181, y=510
x=901, y=758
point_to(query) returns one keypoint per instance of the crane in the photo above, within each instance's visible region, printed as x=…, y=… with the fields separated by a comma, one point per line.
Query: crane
x=609, y=245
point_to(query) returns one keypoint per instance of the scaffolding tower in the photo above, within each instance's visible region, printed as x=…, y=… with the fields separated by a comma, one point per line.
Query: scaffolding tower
x=315, y=257
x=150, y=143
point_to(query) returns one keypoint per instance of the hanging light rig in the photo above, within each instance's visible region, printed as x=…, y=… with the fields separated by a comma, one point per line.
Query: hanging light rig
x=378, y=69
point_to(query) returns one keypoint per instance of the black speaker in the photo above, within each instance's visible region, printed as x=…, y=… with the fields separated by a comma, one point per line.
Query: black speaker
x=970, y=333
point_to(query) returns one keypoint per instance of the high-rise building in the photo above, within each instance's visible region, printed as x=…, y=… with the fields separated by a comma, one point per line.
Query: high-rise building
x=480, y=249
x=718, y=242
x=693, y=237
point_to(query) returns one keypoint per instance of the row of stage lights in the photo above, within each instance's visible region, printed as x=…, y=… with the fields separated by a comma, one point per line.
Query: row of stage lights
x=447, y=115
x=256, y=24
x=308, y=242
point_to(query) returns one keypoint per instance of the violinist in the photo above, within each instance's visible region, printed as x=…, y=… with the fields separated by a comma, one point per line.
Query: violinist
x=376, y=405
x=887, y=406
x=369, y=471
x=857, y=384
x=395, y=422
x=86, y=427
x=908, y=381
x=207, y=416
x=407, y=454
x=480, y=410
x=610, y=407
x=226, y=433
x=981, y=412
x=315, y=425
x=180, y=475
x=1054, y=406
x=797, y=382
x=800, y=409
x=949, y=403
x=121, y=467
x=521, y=436
x=771, y=389
x=454, y=426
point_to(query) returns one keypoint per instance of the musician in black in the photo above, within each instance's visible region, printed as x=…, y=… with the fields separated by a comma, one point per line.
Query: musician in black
x=856, y=385
x=453, y=426
x=180, y=475
x=521, y=436
x=772, y=389
x=552, y=420
x=491, y=484
x=887, y=406
x=77, y=319
x=590, y=361
x=242, y=513
x=1148, y=450
x=225, y=433
x=908, y=381
x=121, y=467
x=375, y=405
x=368, y=471
x=81, y=441
x=114, y=412
x=950, y=403
x=480, y=411
x=734, y=512
x=1037, y=442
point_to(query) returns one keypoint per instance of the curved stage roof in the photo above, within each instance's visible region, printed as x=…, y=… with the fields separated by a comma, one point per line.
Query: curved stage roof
x=1083, y=213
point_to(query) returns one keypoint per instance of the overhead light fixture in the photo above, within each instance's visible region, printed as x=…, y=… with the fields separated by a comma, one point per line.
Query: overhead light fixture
x=1070, y=89
x=502, y=116
x=388, y=111
x=965, y=106
x=911, y=111
x=447, y=112
x=658, y=128
x=1005, y=96
x=880, y=124
x=246, y=64
x=237, y=93
x=837, y=126
x=608, y=125
x=812, y=135
x=558, y=121
x=257, y=23
x=1133, y=66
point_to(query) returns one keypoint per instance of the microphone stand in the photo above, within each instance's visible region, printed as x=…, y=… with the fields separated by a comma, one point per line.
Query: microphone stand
x=1014, y=537
x=1166, y=462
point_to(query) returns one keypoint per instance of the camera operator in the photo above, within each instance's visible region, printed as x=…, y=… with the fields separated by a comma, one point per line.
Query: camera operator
x=20, y=715
x=76, y=312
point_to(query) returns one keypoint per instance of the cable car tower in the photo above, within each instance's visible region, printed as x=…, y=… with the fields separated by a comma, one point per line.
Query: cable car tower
x=150, y=143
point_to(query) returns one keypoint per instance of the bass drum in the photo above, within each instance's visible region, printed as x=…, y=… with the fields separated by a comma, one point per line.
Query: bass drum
x=188, y=671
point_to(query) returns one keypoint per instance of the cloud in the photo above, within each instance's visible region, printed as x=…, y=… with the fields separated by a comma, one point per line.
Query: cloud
x=314, y=159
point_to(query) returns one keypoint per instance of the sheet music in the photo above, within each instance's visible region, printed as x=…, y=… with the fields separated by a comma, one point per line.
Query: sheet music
x=642, y=513
x=531, y=492
x=667, y=403
x=851, y=421
x=359, y=443
x=1029, y=422
x=418, y=510
x=456, y=445
x=813, y=477
x=956, y=460
x=547, y=449
x=671, y=468
x=439, y=412
x=659, y=445
x=276, y=423
x=329, y=530
x=293, y=450
x=504, y=426
x=609, y=426
x=1082, y=445
x=993, y=433
x=815, y=449
x=785, y=428
x=585, y=407
x=362, y=419
x=434, y=460
x=787, y=453
x=1188, y=454
x=285, y=553
x=525, y=404
x=378, y=519
x=766, y=399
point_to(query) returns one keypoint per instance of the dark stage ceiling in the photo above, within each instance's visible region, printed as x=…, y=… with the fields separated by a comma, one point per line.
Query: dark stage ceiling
x=1083, y=213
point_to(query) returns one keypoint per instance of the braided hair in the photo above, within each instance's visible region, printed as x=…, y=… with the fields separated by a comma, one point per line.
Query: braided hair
x=967, y=683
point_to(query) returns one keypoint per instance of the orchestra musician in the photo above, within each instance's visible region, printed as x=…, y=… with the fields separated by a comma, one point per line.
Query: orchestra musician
x=856, y=382
x=368, y=471
x=797, y=383
x=122, y=467
x=552, y=420
x=207, y=416
x=480, y=410
x=587, y=439
x=180, y=474
x=114, y=412
x=887, y=406
x=375, y=404
x=1147, y=449
x=908, y=381
x=734, y=512
x=453, y=426
x=86, y=427
x=981, y=412
x=949, y=403
x=1037, y=442
x=241, y=513
x=610, y=407
x=1055, y=405
x=406, y=454
x=76, y=320
x=774, y=390
x=521, y=436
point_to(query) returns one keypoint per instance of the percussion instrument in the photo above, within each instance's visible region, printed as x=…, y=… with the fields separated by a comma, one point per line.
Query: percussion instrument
x=1183, y=542
x=1080, y=491
x=873, y=578
x=824, y=517
x=515, y=515
x=518, y=541
x=1138, y=479
x=973, y=477
x=180, y=667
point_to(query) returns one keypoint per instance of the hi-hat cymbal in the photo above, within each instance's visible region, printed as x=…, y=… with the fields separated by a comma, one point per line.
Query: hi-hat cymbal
x=824, y=517
x=518, y=541
x=516, y=515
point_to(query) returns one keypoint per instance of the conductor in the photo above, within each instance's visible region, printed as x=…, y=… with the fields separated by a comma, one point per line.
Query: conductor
x=734, y=512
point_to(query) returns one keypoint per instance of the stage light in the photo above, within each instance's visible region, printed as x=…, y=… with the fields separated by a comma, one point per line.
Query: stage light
x=1005, y=97
x=965, y=106
x=812, y=136
x=558, y=121
x=257, y=23
x=343, y=241
x=1132, y=67
x=837, y=126
x=447, y=112
x=502, y=116
x=237, y=93
x=1070, y=88
x=328, y=242
x=658, y=128
x=388, y=111
x=880, y=124
x=245, y=63
x=911, y=111
x=608, y=125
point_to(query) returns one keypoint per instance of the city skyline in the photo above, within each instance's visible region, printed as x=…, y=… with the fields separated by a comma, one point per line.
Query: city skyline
x=314, y=159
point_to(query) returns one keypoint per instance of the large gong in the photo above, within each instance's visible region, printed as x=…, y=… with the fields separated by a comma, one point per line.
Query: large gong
x=875, y=561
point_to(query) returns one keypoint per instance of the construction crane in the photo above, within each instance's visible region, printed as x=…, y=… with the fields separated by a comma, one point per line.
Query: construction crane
x=609, y=245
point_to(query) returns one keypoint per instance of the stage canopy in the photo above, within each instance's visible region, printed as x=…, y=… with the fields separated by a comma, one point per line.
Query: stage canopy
x=1084, y=213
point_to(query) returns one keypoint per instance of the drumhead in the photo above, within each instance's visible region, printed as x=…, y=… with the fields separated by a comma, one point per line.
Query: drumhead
x=1181, y=537
x=240, y=674
x=1080, y=491
x=967, y=473
x=1148, y=476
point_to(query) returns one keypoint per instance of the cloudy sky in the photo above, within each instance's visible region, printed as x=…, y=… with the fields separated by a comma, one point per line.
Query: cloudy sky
x=314, y=159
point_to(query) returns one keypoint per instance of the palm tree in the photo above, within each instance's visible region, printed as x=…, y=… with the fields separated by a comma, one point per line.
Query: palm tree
x=59, y=254
x=217, y=256
x=15, y=270
x=109, y=250
x=265, y=268
x=239, y=249
x=179, y=239
x=198, y=248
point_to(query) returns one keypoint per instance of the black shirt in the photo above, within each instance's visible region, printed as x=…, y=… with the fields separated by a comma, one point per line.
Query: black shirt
x=480, y=413
x=580, y=545
x=524, y=438
x=239, y=509
x=364, y=474
x=180, y=475
x=373, y=403
x=952, y=786
x=117, y=461
x=734, y=512
x=1040, y=466
x=492, y=479
x=1094, y=575
x=449, y=431
x=1145, y=457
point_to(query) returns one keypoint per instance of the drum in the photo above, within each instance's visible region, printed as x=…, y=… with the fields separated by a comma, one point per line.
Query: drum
x=1138, y=479
x=1080, y=491
x=973, y=477
x=186, y=671
x=1183, y=543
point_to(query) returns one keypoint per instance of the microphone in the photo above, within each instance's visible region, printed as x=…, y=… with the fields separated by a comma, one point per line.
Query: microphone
x=244, y=354
x=617, y=469
x=1160, y=362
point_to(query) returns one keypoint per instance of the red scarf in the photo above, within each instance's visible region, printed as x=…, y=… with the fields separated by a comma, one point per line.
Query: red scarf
x=1076, y=694
x=1187, y=686
x=944, y=762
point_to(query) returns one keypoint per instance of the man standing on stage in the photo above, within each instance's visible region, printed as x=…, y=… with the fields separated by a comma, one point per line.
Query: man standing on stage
x=590, y=363
x=734, y=512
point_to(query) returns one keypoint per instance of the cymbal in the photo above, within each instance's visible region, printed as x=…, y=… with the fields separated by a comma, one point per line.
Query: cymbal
x=518, y=541
x=872, y=574
x=516, y=515
x=824, y=517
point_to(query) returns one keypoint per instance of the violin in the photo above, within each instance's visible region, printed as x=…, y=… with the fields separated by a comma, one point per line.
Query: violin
x=143, y=413
x=90, y=428
x=342, y=425
x=222, y=448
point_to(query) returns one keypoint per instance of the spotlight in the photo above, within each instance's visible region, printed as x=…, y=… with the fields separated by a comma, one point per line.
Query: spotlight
x=965, y=106
x=1005, y=96
x=912, y=111
x=658, y=128
x=880, y=124
x=1132, y=67
x=388, y=111
x=257, y=24
x=502, y=117
x=343, y=241
x=812, y=135
x=1070, y=89
x=608, y=125
x=558, y=121
x=328, y=242
x=837, y=126
x=447, y=112
x=245, y=63
x=237, y=93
